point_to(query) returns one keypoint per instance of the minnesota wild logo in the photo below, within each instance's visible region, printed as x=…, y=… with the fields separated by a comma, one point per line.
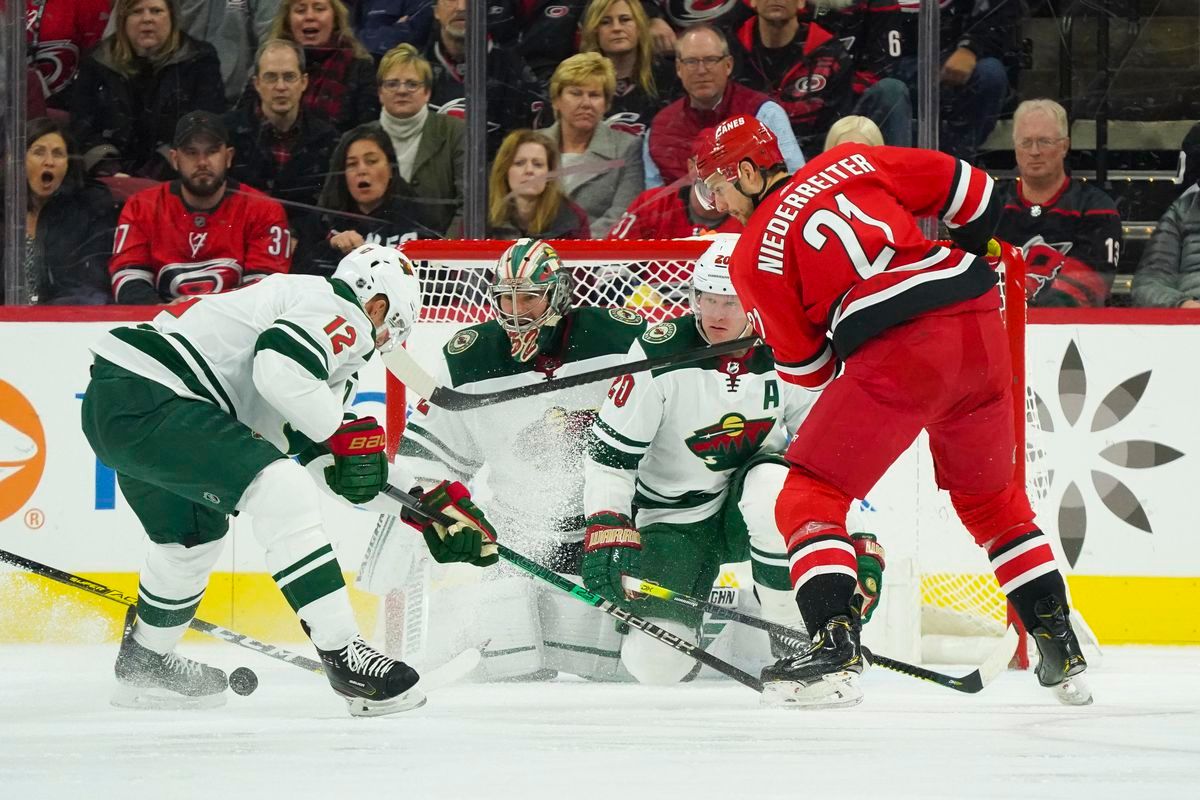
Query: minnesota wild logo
x=731, y=442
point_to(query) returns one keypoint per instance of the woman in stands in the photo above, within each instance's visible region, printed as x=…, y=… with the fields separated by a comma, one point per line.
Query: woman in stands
x=68, y=224
x=135, y=85
x=601, y=166
x=341, y=74
x=619, y=30
x=524, y=195
x=362, y=204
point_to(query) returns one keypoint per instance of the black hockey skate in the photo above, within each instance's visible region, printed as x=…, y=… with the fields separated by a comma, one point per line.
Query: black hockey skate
x=823, y=676
x=1060, y=660
x=372, y=683
x=146, y=679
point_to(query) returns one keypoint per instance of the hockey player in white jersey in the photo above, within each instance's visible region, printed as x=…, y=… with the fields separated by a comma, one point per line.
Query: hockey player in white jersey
x=524, y=458
x=684, y=469
x=197, y=411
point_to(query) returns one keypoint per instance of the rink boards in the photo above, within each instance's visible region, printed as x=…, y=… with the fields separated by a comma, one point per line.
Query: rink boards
x=1120, y=438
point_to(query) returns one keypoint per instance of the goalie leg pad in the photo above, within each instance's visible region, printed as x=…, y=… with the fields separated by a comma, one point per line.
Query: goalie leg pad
x=579, y=640
x=499, y=617
x=651, y=662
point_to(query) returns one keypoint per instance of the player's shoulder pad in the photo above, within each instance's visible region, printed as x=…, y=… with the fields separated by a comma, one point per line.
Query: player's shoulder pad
x=601, y=331
x=476, y=351
x=671, y=336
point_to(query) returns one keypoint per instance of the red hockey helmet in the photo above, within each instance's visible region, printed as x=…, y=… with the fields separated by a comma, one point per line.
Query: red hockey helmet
x=737, y=139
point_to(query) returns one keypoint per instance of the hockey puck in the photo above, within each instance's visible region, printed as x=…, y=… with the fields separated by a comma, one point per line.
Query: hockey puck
x=243, y=681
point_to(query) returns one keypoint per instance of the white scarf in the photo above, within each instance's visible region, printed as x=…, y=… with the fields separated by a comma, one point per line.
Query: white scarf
x=406, y=137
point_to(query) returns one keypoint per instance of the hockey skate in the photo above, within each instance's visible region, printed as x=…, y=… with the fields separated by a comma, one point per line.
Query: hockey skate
x=823, y=676
x=1060, y=660
x=146, y=679
x=372, y=683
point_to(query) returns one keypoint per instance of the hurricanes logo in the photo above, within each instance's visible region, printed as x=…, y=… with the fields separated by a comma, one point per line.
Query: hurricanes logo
x=731, y=442
x=809, y=84
x=22, y=450
x=196, y=241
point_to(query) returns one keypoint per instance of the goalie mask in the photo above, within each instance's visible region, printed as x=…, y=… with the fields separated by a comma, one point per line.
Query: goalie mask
x=374, y=269
x=711, y=277
x=529, y=273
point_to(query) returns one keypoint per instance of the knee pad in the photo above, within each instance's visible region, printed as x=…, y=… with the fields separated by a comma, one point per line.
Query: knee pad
x=282, y=504
x=172, y=564
x=806, y=499
x=987, y=516
x=651, y=662
x=760, y=495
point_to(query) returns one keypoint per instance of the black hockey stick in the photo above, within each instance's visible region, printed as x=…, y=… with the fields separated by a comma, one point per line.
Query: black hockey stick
x=970, y=683
x=401, y=364
x=591, y=598
x=216, y=631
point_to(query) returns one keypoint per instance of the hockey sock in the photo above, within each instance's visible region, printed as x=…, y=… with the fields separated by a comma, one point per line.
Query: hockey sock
x=1024, y=564
x=171, y=584
x=824, y=572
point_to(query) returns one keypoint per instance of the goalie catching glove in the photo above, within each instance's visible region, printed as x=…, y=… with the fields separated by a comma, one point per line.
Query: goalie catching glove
x=870, y=573
x=360, y=467
x=611, y=547
x=471, y=539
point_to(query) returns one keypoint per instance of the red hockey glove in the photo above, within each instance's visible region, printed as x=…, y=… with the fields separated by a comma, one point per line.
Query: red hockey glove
x=360, y=467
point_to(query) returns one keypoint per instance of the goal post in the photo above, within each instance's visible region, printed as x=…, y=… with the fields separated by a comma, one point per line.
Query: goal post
x=938, y=585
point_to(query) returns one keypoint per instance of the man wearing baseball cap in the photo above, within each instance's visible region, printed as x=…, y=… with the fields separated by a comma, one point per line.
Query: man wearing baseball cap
x=202, y=233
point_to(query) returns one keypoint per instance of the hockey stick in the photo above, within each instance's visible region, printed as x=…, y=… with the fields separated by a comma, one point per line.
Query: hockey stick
x=971, y=683
x=216, y=631
x=401, y=364
x=591, y=598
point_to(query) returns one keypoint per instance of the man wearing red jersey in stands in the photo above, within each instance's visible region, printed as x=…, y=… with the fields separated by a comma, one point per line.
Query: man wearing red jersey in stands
x=902, y=334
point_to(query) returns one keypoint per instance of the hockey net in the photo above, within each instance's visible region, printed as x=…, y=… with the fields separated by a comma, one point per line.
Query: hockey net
x=959, y=600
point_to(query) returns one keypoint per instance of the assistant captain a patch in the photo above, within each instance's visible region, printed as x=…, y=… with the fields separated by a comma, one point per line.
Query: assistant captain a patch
x=461, y=342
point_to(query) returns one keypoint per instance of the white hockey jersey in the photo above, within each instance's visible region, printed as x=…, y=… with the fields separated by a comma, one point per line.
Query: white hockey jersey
x=279, y=354
x=522, y=459
x=668, y=441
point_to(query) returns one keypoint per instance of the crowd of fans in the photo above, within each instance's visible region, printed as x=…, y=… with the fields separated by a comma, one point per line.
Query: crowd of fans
x=178, y=147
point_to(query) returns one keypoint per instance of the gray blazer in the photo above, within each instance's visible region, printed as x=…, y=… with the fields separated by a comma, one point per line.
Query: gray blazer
x=617, y=179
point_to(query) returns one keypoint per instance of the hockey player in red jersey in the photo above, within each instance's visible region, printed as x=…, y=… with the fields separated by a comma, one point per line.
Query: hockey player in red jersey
x=903, y=335
x=200, y=234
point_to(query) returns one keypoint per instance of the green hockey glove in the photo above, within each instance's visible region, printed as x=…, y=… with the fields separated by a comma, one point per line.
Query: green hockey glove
x=870, y=573
x=471, y=539
x=360, y=467
x=611, y=547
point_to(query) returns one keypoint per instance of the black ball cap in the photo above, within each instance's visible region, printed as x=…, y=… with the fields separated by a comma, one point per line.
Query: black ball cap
x=200, y=123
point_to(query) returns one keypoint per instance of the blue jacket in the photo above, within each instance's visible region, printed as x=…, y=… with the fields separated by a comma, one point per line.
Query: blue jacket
x=382, y=24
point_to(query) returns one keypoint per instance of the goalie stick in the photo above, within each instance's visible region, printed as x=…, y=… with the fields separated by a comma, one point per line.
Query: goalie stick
x=591, y=598
x=401, y=364
x=970, y=683
x=447, y=673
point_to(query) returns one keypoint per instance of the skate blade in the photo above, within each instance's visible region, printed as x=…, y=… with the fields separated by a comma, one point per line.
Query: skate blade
x=360, y=707
x=157, y=699
x=837, y=690
x=1073, y=692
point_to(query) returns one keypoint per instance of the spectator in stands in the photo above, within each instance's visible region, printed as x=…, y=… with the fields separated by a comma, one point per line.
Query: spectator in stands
x=976, y=37
x=854, y=129
x=808, y=71
x=203, y=233
x=341, y=74
x=136, y=84
x=278, y=146
x=1169, y=273
x=727, y=15
x=429, y=146
x=665, y=213
x=524, y=196
x=383, y=24
x=56, y=33
x=235, y=28
x=620, y=31
x=703, y=63
x=363, y=203
x=1069, y=230
x=514, y=98
x=601, y=166
x=548, y=31
x=1189, y=157
x=68, y=224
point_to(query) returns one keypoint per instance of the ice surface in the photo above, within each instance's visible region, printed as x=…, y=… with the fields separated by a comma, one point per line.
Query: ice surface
x=569, y=739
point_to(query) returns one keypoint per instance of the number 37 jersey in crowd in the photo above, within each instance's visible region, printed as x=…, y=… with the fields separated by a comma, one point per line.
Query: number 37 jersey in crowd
x=283, y=352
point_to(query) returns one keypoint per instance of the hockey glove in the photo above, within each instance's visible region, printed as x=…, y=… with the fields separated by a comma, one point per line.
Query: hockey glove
x=360, y=467
x=472, y=539
x=870, y=573
x=611, y=547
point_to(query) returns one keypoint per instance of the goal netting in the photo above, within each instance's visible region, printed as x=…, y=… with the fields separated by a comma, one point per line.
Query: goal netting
x=941, y=595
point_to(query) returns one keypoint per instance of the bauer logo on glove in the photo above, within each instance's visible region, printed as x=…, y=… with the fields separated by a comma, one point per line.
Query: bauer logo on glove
x=360, y=467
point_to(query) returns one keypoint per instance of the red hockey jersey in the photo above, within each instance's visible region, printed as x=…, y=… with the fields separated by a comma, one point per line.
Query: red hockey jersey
x=835, y=256
x=181, y=251
x=57, y=32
